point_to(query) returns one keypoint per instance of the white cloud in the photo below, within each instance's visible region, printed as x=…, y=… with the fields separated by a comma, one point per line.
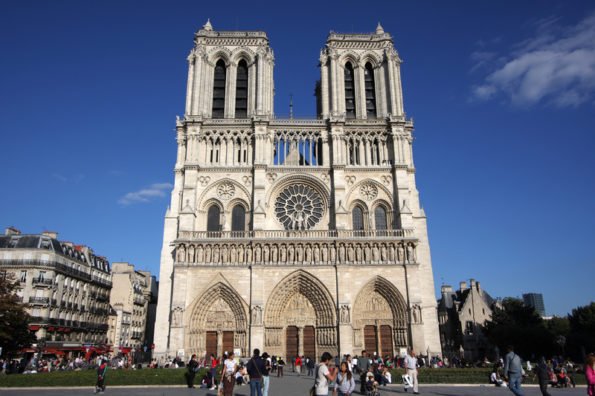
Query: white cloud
x=77, y=178
x=555, y=67
x=145, y=194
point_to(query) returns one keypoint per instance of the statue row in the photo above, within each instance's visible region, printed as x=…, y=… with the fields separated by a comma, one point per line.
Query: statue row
x=303, y=253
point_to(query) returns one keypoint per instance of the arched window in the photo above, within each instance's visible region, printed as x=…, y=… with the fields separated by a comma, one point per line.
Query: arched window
x=214, y=218
x=238, y=218
x=242, y=90
x=219, y=90
x=370, y=91
x=357, y=217
x=349, y=91
x=380, y=219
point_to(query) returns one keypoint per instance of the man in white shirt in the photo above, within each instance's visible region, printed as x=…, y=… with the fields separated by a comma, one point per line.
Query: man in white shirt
x=324, y=375
x=411, y=367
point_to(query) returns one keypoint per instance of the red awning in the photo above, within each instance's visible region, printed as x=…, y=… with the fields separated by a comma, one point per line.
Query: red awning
x=51, y=328
x=34, y=327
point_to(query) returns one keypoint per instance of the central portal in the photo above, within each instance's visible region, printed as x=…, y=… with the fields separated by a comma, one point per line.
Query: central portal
x=292, y=342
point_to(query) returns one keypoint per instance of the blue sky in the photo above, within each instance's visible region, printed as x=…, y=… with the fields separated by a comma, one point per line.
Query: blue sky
x=502, y=93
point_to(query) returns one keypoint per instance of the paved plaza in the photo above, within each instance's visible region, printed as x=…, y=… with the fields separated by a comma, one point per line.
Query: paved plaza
x=290, y=385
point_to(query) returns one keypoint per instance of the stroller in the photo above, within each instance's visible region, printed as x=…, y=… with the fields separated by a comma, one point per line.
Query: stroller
x=371, y=386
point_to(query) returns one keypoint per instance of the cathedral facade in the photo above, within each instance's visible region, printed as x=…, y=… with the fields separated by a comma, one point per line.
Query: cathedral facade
x=294, y=236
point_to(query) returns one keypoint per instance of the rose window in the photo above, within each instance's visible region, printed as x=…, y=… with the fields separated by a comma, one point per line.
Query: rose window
x=299, y=207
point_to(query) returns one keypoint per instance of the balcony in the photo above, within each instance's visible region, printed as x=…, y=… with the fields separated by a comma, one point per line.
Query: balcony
x=291, y=234
x=139, y=301
x=39, y=300
x=43, y=282
x=61, y=268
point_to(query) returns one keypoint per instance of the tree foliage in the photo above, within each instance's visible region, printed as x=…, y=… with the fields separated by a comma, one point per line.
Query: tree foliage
x=581, y=338
x=14, y=329
x=519, y=325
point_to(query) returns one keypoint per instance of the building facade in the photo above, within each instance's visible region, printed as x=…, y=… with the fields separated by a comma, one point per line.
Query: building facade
x=535, y=300
x=66, y=288
x=130, y=299
x=294, y=236
x=461, y=316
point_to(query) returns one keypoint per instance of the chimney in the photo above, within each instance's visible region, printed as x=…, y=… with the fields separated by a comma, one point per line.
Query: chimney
x=12, y=231
x=463, y=286
x=478, y=287
x=51, y=234
x=471, y=283
x=447, y=295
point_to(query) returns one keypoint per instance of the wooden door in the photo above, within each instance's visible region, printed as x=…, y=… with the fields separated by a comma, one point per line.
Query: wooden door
x=291, y=343
x=370, y=340
x=310, y=342
x=228, y=341
x=386, y=341
x=211, y=346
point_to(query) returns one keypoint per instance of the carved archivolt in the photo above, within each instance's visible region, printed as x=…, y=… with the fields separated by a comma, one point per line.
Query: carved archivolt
x=300, y=287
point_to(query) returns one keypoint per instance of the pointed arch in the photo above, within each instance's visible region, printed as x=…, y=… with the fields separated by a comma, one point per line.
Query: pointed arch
x=306, y=284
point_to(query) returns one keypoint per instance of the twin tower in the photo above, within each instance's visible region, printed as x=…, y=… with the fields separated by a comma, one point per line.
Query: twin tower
x=294, y=236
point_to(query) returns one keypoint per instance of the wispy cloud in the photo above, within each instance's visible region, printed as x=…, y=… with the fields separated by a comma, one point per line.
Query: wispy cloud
x=555, y=67
x=77, y=178
x=145, y=194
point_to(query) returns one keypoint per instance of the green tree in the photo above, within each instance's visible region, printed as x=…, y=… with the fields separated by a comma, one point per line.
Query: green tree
x=581, y=338
x=519, y=325
x=14, y=329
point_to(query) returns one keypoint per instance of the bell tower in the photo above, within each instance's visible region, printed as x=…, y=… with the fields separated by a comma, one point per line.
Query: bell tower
x=360, y=76
x=230, y=74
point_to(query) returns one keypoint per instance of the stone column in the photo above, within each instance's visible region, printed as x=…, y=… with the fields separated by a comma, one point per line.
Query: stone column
x=190, y=84
x=259, y=82
x=324, y=85
x=391, y=85
x=399, y=88
x=334, y=108
x=196, y=85
x=300, y=340
x=230, y=91
x=360, y=89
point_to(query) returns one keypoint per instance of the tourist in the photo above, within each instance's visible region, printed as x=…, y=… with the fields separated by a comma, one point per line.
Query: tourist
x=101, y=372
x=265, y=374
x=363, y=365
x=495, y=377
x=230, y=368
x=513, y=371
x=213, y=370
x=324, y=375
x=298, y=364
x=255, y=369
x=590, y=374
x=280, y=365
x=192, y=367
x=411, y=368
x=542, y=372
x=345, y=384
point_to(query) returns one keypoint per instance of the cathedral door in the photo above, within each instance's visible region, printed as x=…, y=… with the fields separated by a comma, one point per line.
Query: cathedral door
x=291, y=342
x=211, y=346
x=386, y=341
x=370, y=340
x=310, y=342
x=228, y=341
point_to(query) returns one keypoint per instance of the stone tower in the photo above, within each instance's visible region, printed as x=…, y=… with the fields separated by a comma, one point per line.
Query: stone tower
x=295, y=236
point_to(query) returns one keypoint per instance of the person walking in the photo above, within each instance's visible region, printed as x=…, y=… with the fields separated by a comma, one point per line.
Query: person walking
x=255, y=369
x=411, y=369
x=280, y=365
x=324, y=375
x=590, y=374
x=543, y=376
x=101, y=372
x=310, y=364
x=213, y=363
x=192, y=367
x=363, y=365
x=513, y=371
x=265, y=374
x=228, y=374
x=298, y=365
x=345, y=384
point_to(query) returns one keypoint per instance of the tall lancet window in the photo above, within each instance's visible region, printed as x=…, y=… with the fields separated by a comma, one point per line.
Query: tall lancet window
x=242, y=90
x=214, y=218
x=219, y=90
x=238, y=218
x=370, y=91
x=357, y=218
x=349, y=91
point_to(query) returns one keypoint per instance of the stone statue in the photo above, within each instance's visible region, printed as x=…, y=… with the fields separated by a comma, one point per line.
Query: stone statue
x=367, y=253
x=308, y=254
x=191, y=253
x=181, y=256
x=400, y=253
x=358, y=253
x=342, y=253
x=410, y=253
x=283, y=254
x=233, y=258
x=345, y=314
x=241, y=253
x=257, y=315
x=383, y=253
x=224, y=254
x=299, y=253
x=176, y=317
x=324, y=253
x=350, y=255
x=333, y=253
x=265, y=254
x=257, y=253
x=375, y=253
x=248, y=254
x=274, y=253
x=208, y=254
x=199, y=254
x=316, y=254
x=391, y=253
x=216, y=254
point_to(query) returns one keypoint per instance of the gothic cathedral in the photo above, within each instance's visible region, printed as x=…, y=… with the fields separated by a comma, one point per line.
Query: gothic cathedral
x=295, y=236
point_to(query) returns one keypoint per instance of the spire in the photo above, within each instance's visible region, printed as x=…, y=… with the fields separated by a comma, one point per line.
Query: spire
x=291, y=106
x=207, y=26
x=379, y=29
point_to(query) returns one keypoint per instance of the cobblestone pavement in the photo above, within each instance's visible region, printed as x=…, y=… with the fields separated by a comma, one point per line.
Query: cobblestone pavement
x=290, y=385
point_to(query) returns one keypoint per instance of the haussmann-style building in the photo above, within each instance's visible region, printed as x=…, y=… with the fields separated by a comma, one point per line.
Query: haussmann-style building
x=295, y=236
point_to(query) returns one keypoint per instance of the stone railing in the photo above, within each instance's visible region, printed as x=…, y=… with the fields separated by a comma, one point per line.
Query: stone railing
x=39, y=300
x=288, y=234
x=43, y=282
